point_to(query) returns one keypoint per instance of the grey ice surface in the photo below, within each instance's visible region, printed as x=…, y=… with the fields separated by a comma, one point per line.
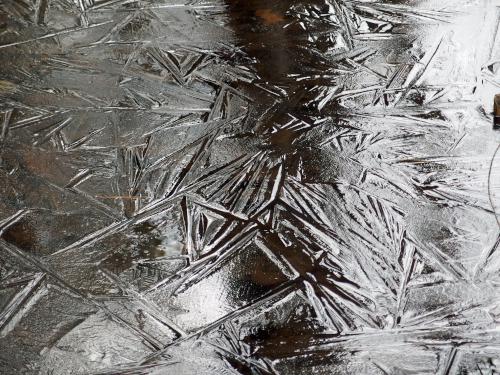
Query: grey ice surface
x=292, y=187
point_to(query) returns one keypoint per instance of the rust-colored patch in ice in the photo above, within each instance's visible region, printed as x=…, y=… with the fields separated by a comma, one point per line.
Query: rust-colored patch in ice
x=269, y=16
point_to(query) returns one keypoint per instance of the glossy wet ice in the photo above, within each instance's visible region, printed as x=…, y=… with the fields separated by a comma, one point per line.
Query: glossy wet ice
x=249, y=187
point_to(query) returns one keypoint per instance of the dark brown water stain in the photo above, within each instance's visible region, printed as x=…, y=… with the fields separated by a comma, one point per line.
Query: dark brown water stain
x=23, y=235
x=258, y=29
x=280, y=51
x=146, y=245
x=269, y=16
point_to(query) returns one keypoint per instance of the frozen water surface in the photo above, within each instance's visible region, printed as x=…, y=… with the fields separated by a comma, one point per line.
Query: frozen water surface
x=249, y=187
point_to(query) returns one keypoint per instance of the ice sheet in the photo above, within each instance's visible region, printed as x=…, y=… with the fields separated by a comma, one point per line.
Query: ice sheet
x=249, y=187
